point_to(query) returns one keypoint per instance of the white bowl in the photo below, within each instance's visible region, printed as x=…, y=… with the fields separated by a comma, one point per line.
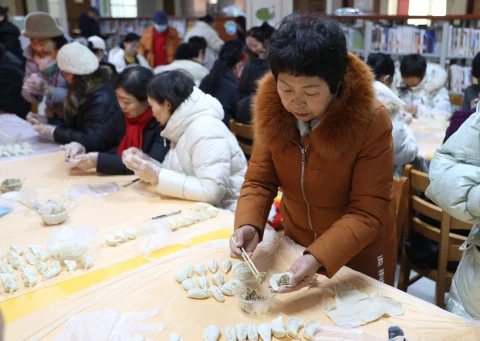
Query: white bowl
x=53, y=219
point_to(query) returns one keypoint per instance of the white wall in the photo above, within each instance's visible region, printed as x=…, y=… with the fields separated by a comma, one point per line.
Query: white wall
x=281, y=8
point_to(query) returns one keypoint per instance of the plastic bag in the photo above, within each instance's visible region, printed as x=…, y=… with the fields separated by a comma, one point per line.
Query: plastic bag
x=109, y=325
x=98, y=191
x=68, y=243
x=334, y=333
x=464, y=299
x=157, y=235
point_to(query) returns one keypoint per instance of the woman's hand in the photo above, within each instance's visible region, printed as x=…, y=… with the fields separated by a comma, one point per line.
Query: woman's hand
x=85, y=161
x=73, y=149
x=147, y=171
x=412, y=109
x=247, y=237
x=44, y=130
x=135, y=151
x=303, y=270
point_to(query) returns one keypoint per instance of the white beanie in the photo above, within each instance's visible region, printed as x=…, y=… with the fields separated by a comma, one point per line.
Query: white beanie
x=77, y=59
x=98, y=43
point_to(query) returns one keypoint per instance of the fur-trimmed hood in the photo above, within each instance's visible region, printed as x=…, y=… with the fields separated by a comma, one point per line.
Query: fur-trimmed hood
x=345, y=121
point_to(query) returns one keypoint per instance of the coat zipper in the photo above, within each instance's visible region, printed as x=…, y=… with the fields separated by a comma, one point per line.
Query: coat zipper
x=302, y=185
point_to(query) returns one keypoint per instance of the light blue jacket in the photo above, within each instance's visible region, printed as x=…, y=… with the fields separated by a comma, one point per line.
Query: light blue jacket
x=455, y=173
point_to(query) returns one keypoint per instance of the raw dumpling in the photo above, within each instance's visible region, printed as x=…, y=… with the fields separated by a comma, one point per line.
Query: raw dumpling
x=42, y=256
x=111, y=240
x=41, y=267
x=174, y=337
x=243, y=274
x=30, y=258
x=16, y=262
x=230, y=333
x=6, y=269
x=180, y=276
x=85, y=261
x=34, y=248
x=278, y=328
x=226, y=266
x=198, y=294
x=242, y=332
x=17, y=249
x=26, y=271
x=311, y=327
x=175, y=224
x=252, y=332
x=280, y=280
x=228, y=289
x=188, y=270
x=201, y=270
x=203, y=283
x=9, y=283
x=265, y=332
x=130, y=234
x=213, y=266
x=293, y=326
x=218, y=279
x=211, y=333
x=52, y=272
x=29, y=280
x=217, y=294
x=121, y=237
x=71, y=265
x=189, y=284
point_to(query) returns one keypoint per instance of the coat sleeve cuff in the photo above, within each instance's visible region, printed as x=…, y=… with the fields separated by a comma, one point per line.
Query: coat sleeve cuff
x=330, y=263
x=243, y=218
x=171, y=183
x=473, y=198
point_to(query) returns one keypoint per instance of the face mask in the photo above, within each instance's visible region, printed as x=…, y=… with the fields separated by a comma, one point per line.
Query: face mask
x=45, y=63
x=160, y=28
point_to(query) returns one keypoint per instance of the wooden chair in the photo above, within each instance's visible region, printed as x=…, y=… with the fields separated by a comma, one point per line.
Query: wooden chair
x=456, y=100
x=401, y=188
x=243, y=132
x=448, y=241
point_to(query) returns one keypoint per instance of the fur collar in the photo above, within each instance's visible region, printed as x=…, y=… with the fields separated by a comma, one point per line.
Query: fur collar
x=341, y=127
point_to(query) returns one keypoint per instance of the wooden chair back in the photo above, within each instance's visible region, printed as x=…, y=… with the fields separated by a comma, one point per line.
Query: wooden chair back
x=449, y=241
x=456, y=100
x=244, y=131
x=401, y=188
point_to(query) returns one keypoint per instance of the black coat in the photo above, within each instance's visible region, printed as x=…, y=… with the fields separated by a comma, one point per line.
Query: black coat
x=244, y=111
x=99, y=106
x=88, y=26
x=11, y=83
x=108, y=137
x=9, y=36
x=227, y=95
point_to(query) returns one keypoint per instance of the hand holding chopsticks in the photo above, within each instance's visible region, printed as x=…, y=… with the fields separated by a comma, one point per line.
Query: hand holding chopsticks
x=260, y=276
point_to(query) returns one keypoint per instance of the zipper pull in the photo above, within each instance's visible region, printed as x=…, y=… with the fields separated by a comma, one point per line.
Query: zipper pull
x=304, y=156
x=164, y=142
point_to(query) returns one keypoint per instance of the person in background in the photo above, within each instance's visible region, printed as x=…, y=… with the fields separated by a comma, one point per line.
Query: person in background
x=221, y=83
x=422, y=87
x=98, y=47
x=471, y=94
x=11, y=82
x=254, y=70
x=43, y=78
x=9, y=35
x=90, y=102
x=136, y=128
x=405, y=146
x=241, y=23
x=185, y=57
x=127, y=54
x=323, y=137
x=205, y=162
x=159, y=42
x=204, y=28
x=200, y=44
x=256, y=43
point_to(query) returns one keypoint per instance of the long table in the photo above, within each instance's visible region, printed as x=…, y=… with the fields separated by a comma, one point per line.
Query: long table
x=429, y=133
x=123, y=279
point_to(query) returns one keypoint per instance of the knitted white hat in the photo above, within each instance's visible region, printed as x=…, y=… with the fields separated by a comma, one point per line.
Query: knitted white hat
x=77, y=59
x=97, y=43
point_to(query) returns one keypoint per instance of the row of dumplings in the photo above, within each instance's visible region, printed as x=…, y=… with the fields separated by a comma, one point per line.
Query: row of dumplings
x=38, y=258
x=121, y=236
x=264, y=331
x=202, y=212
x=15, y=149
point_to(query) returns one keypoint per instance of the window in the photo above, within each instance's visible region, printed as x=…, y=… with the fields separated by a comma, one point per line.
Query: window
x=123, y=8
x=426, y=7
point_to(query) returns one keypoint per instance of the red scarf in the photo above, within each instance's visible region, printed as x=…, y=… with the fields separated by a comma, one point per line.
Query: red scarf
x=159, y=47
x=134, y=132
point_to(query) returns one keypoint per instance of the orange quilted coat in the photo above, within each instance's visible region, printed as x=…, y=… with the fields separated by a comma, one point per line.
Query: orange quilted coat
x=336, y=182
x=146, y=45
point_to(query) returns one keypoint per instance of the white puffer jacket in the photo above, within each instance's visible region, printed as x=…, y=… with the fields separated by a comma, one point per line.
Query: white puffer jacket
x=196, y=70
x=404, y=144
x=430, y=94
x=455, y=173
x=117, y=57
x=214, y=42
x=205, y=162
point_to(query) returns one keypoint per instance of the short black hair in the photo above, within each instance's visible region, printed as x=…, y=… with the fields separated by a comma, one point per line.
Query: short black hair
x=476, y=66
x=186, y=51
x=135, y=80
x=381, y=64
x=253, y=70
x=94, y=10
x=413, y=65
x=241, y=21
x=173, y=86
x=4, y=12
x=310, y=45
x=59, y=41
x=208, y=19
x=198, y=43
x=131, y=37
x=258, y=33
x=268, y=30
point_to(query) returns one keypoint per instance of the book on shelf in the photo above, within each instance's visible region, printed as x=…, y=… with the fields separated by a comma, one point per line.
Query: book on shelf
x=460, y=77
x=463, y=42
x=355, y=38
x=399, y=39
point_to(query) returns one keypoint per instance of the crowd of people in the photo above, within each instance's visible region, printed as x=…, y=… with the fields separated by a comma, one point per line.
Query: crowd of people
x=331, y=130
